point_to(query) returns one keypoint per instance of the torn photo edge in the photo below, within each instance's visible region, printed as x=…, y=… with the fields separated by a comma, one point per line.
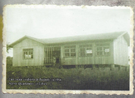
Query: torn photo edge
x=106, y=92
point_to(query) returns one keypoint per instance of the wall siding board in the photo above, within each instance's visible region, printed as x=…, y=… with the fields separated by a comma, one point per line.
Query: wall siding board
x=108, y=59
x=120, y=51
x=38, y=57
x=62, y=55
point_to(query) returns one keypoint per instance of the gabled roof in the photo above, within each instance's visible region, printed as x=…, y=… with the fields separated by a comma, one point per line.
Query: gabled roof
x=19, y=40
x=101, y=36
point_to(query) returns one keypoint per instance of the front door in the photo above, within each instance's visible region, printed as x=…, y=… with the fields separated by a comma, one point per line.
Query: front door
x=51, y=53
x=56, y=55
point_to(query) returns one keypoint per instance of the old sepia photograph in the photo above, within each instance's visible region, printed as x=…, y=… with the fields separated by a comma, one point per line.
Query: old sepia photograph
x=68, y=48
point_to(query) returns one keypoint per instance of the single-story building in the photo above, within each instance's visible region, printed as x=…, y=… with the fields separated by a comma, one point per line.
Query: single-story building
x=103, y=48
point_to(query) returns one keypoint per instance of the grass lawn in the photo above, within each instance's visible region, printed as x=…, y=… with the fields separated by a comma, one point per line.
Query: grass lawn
x=69, y=79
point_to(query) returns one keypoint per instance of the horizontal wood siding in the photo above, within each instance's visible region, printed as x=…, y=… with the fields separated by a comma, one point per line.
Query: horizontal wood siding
x=38, y=56
x=120, y=51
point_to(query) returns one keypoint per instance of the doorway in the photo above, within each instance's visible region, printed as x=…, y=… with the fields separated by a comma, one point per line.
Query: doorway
x=52, y=53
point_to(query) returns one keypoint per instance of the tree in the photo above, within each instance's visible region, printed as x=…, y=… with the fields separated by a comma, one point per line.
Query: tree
x=7, y=47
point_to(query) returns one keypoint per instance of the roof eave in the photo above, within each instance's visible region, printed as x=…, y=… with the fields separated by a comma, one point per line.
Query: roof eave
x=17, y=41
x=82, y=41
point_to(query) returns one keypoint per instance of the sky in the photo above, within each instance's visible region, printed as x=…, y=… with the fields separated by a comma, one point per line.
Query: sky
x=56, y=21
x=47, y=22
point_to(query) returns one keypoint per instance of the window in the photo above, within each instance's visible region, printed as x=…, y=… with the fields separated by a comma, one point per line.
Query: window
x=28, y=53
x=103, y=49
x=70, y=51
x=85, y=50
